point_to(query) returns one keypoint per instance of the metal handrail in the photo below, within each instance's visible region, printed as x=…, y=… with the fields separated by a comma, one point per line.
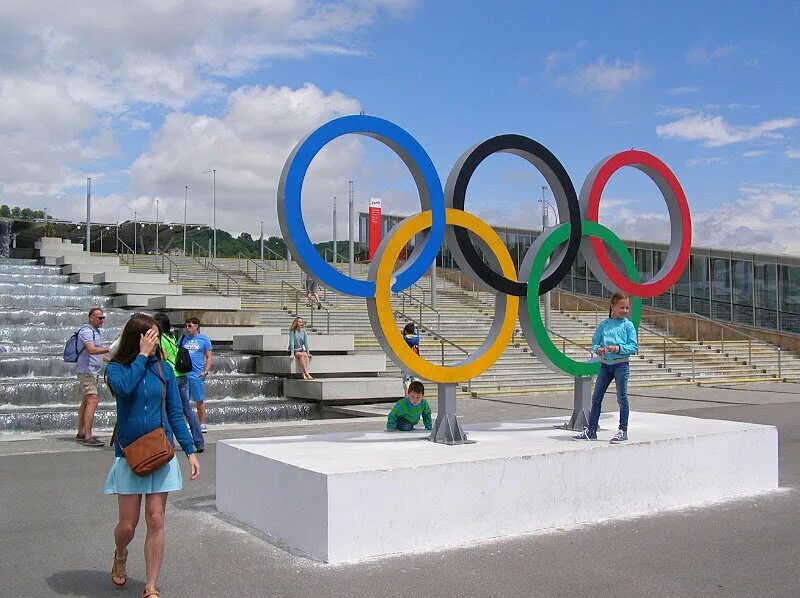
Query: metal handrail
x=206, y=258
x=256, y=267
x=228, y=277
x=172, y=264
x=297, y=293
x=442, y=339
x=278, y=258
x=344, y=258
x=421, y=304
x=667, y=339
x=130, y=251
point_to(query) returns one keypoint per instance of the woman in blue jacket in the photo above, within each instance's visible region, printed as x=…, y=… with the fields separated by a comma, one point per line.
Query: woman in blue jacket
x=137, y=376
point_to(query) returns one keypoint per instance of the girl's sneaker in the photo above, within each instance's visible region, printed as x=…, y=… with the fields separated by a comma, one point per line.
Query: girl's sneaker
x=587, y=434
x=621, y=436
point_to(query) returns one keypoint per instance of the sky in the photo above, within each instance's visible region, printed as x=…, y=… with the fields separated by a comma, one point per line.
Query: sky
x=143, y=96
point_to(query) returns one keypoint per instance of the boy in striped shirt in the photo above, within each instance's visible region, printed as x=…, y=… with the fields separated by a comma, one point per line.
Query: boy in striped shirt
x=406, y=412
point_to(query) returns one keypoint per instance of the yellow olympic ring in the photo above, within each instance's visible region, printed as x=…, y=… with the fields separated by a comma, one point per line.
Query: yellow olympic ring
x=380, y=306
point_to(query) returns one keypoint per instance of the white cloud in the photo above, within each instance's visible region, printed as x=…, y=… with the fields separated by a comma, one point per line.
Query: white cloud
x=715, y=131
x=604, y=77
x=555, y=57
x=674, y=111
x=793, y=153
x=754, y=153
x=74, y=79
x=699, y=54
x=706, y=161
x=247, y=146
x=683, y=90
x=765, y=218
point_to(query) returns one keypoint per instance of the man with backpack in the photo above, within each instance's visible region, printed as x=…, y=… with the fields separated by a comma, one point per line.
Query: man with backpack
x=89, y=347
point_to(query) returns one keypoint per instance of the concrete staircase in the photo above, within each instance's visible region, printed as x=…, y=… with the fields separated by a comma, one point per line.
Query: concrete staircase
x=464, y=317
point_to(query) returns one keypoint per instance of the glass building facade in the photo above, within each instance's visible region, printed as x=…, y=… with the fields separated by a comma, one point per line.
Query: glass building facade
x=744, y=288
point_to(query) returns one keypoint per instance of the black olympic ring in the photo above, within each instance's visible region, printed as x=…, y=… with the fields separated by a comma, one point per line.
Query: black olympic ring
x=563, y=192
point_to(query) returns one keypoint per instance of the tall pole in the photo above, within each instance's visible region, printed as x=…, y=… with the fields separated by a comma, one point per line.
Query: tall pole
x=335, y=257
x=156, y=227
x=214, y=207
x=185, y=198
x=135, y=226
x=88, y=214
x=117, y=246
x=351, y=231
x=546, y=298
x=213, y=172
x=262, y=240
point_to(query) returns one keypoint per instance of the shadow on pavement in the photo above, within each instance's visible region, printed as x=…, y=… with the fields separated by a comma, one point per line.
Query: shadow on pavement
x=91, y=584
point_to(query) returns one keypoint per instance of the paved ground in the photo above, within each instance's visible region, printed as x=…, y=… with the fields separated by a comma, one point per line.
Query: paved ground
x=56, y=527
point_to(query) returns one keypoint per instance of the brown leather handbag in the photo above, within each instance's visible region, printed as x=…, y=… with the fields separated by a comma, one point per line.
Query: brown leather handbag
x=151, y=451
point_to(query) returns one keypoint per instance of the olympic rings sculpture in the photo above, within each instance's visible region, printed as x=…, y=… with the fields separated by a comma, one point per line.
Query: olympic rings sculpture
x=443, y=215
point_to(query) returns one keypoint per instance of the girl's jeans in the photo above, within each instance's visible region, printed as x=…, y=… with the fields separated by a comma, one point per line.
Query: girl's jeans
x=608, y=372
x=188, y=412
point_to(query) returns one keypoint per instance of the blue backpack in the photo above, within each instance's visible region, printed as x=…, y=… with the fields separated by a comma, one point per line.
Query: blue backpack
x=71, y=351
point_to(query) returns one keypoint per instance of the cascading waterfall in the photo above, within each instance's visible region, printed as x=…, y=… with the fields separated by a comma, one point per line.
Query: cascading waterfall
x=40, y=310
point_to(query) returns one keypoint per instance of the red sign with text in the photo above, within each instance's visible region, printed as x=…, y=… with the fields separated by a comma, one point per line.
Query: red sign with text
x=374, y=236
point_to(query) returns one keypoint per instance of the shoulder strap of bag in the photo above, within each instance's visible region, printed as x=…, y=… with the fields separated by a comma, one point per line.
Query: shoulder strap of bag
x=163, y=390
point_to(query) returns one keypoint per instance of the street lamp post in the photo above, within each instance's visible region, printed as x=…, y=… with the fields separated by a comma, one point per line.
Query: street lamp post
x=335, y=258
x=88, y=215
x=546, y=298
x=156, y=227
x=213, y=172
x=135, y=223
x=351, y=231
x=185, y=197
x=262, y=241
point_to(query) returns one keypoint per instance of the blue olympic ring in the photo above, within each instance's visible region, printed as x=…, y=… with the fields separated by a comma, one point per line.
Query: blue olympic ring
x=422, y=170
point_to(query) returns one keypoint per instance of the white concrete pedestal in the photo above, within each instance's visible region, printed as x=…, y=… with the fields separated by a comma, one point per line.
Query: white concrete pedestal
x=351, y=496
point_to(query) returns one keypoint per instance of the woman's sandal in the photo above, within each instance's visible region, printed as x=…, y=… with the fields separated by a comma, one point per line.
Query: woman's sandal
x=148, y=593
x=119, y=570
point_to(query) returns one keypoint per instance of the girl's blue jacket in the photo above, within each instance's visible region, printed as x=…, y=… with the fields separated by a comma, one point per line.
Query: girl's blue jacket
x=137, y=389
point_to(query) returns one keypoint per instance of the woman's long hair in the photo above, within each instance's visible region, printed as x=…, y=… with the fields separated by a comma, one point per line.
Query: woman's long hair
x=163, y=323
x=128, y=349
x=294, y=325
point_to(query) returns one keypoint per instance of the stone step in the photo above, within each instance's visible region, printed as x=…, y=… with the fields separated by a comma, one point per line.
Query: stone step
x=342, y=365
x=85, y=258
x=194, y=302
x=132, y=288
x=279, y=343
x=131, y=301
x=226, y=334
x=344, y=391
x=92, y=268
x=60, y=250
x=130, y=277
x=54, y=242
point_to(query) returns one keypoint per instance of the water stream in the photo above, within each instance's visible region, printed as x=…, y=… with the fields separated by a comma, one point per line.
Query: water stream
x=40, y=310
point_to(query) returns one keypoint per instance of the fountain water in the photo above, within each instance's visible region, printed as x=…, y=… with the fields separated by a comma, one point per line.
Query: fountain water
x=39, y=311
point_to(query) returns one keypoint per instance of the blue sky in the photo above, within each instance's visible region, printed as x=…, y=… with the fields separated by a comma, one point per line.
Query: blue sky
x=145, y=95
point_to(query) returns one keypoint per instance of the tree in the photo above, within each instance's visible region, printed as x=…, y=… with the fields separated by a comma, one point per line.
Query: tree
x=5, y=211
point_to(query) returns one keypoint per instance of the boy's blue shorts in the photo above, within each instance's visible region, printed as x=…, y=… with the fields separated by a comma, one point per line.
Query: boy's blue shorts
x=197, y=389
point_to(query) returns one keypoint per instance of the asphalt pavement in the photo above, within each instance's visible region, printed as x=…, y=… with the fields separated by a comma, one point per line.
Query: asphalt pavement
x=56, y=526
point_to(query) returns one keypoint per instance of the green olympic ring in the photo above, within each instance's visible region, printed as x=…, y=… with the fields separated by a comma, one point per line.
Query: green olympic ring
x=548, y=352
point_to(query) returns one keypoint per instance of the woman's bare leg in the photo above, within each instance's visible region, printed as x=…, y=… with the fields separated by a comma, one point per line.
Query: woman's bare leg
x=155, y=506
x=129, y=507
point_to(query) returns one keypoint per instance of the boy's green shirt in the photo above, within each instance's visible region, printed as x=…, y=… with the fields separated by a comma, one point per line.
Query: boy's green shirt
x=411, y=413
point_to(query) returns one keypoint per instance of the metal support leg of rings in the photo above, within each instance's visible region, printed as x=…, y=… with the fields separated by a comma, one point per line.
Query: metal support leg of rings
x=446, y=428
x=581, y=405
